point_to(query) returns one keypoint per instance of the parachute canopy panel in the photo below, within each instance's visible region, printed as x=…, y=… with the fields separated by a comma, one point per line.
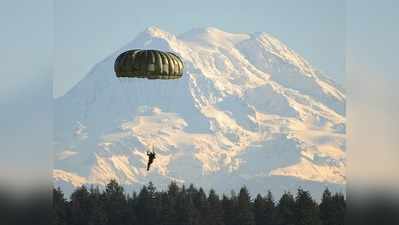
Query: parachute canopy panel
x=150, y=64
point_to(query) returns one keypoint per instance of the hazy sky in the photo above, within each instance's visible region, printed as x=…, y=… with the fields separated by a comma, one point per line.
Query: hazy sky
x=88, y=31
x=372, y=95
x=26, y=44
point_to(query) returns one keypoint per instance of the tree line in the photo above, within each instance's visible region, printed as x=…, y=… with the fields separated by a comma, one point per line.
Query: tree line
x=181, y=205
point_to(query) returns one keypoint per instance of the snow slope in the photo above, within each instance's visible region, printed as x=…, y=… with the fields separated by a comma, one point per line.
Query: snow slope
x=248, y=110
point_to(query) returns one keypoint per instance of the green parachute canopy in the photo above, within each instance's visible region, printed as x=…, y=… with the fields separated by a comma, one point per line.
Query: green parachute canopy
x=150, y=64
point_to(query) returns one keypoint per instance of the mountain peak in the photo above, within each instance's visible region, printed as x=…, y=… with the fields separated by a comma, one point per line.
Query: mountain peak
x=152, y=36
x=213, y=36
x=268, y=43
x=248, y=110
x=211, y=30
x=154, y=31
x=202, y=30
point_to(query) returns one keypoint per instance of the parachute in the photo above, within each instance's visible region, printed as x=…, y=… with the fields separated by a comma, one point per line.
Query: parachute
x=149, y=64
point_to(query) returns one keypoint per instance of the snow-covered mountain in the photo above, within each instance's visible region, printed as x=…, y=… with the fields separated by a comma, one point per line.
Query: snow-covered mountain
x=248, y=111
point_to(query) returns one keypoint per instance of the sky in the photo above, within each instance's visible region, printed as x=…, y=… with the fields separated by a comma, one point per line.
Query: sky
x=26, y=42
x=88, y=31
x=26, y=62
x=372, y=96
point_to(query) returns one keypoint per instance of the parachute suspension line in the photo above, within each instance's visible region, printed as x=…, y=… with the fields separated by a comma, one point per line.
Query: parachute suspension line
x=173, y=87
x=168, y=96
x=173, y=90
x=138, y=93
x=128, y=89
x=180, y=90
x=146, y=90
x=131, y=92
x=157, y=85
x=165, y=96
x=170, y=92
x=159, y=70
x=144, y=86
x=155, y=93
x=125, y=92
x=134, y=93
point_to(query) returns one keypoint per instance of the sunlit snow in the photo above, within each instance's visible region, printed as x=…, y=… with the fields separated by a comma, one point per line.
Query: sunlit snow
x=248, y=110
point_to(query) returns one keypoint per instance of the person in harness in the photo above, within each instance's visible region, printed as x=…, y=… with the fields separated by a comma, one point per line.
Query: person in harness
x=151, y=157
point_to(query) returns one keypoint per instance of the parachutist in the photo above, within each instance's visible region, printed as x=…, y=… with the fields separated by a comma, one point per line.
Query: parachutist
x=148, y=64
x=151, y=157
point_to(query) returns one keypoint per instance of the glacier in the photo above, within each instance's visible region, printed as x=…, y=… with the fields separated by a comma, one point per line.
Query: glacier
x=248, y=111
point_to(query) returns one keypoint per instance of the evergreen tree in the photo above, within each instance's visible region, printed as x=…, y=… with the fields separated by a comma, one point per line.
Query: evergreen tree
x=186, y=210
x=98, y=215
x=60, y=208
x=332, y=208
x=201, y=203
x=215, y=209
x=270, y=209
x=245, y=214
x=326, y=208
x=115, y=204
x=173, y=190
x=260, y=210
x=192, y=206
x=340, y=208
x=80, y=206
x=143, y=203
x=285, y=210
x=229, y=210
x=307, y=211
x=149, y=210
x=132, y=205
x=191, y=190
x=264, y=209
x=169, y=215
